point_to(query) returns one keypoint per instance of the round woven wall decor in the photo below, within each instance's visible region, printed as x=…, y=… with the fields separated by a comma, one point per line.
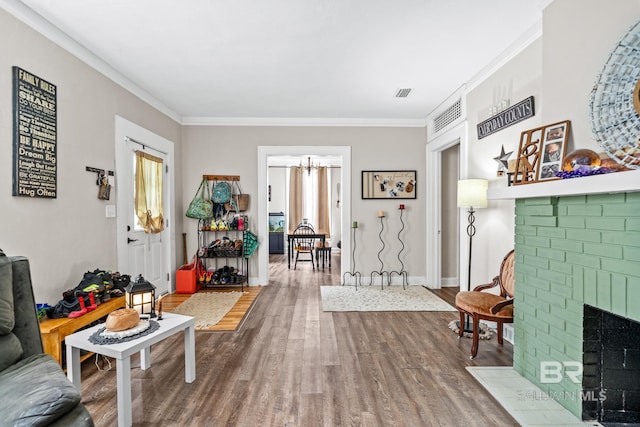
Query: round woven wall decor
x=615, y=98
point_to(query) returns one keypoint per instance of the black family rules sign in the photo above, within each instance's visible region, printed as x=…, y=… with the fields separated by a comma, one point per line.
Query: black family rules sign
x=34, y=136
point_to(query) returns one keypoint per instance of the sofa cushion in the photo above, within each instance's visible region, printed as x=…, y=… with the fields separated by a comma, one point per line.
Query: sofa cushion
x=7, y=317
x=10, y=350
x=36, y=392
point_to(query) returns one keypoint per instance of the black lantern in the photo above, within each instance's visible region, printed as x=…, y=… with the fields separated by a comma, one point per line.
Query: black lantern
x=141, y=296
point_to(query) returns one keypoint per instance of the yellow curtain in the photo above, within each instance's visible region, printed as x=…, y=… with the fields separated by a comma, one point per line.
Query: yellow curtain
x=148, y=192
x=295, y=197
x=324, y=222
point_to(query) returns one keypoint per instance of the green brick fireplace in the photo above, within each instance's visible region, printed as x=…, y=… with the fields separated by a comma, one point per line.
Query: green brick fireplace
x=571, y=251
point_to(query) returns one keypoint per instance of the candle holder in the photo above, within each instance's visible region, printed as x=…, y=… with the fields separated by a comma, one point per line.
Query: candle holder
x=382, y=272
x=402, y=273
x=353, y=273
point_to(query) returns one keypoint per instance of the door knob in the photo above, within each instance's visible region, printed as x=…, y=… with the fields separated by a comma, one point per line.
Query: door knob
x=129, y=240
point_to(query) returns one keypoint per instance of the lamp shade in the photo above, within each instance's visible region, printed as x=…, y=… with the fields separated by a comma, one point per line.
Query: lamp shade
x=472, y=193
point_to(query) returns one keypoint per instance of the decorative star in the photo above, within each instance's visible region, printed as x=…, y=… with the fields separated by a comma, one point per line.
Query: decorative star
x=503, y=159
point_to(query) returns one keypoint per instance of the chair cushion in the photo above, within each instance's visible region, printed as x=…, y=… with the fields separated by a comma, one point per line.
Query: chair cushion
x=481, y=303
x=40, y=392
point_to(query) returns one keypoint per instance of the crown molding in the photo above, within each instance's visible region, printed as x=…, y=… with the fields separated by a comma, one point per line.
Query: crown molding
x=301, y=121
x=520, y=44
x=29, y=17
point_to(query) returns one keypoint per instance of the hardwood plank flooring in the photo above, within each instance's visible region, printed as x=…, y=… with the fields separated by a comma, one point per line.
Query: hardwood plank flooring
x=291, y=364
x=232, y=320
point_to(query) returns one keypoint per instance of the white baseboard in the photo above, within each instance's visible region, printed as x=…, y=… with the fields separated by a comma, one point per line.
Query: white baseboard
x=450, y=282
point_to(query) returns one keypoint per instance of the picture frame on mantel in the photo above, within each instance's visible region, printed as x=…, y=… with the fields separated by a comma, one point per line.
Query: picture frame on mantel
x=541, y=152
x=389, y=184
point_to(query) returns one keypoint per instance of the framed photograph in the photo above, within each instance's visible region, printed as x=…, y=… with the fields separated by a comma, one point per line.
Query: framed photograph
x=389, y=184
x=541, y=152
x=554, y=149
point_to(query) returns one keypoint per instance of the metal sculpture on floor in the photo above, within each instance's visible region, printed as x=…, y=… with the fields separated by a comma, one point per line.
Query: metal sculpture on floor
x=382, y=271
x=353, y=273
x=402, y=273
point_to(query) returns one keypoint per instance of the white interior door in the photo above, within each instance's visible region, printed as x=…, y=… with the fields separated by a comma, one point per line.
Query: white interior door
x=139, y=252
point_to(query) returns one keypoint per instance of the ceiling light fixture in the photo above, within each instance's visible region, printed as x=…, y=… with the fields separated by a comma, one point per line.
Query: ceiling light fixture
x=309, y=166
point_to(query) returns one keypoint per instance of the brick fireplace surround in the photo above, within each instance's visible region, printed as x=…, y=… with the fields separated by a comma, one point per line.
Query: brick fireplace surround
x=577, y=245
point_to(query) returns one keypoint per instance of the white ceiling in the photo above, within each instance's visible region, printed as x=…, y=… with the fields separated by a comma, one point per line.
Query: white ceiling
x=295, y=61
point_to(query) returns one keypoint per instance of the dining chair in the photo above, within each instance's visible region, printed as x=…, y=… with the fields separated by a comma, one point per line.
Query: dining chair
x=303, y=244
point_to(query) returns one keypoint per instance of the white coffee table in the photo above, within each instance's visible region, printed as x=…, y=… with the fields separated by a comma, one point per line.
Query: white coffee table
x=169, y=325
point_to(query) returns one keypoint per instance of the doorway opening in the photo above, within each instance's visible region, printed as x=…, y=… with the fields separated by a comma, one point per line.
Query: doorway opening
x=151, y=255
x=435, y=149
x=272, y=156
x=450, y=263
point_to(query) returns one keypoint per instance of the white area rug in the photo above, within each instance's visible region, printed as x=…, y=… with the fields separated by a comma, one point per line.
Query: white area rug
x=208, y=307
x=373, y=298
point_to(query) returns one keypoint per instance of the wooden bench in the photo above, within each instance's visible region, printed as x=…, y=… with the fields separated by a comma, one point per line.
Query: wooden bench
x=54, y=331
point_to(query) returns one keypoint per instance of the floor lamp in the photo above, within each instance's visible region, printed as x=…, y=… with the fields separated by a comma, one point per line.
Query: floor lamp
x=472, y=193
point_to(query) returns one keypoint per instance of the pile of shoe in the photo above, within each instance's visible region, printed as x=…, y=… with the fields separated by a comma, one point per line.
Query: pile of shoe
x=96, y=287
x=221, y=276
x=225, y=247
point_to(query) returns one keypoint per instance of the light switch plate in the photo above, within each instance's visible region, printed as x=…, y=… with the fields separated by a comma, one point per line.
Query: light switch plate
x=110, y=211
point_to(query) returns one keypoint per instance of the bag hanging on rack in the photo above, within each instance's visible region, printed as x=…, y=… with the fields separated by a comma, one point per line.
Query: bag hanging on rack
x=239, y=202
x=201, y=206
x=221, y=192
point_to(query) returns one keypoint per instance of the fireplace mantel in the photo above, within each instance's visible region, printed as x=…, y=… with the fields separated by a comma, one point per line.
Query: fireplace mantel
x=618, y=182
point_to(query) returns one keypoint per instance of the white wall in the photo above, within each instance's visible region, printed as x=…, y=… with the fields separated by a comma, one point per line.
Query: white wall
x=578, y=37
x=559, y=70
x=336, y=219
x=69, y=235
x=518, y=79
x=278, y=181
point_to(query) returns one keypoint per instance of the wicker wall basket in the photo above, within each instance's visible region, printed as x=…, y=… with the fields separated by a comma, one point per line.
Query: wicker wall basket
x=615, y=102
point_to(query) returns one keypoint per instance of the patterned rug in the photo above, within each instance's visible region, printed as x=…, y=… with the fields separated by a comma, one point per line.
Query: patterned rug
x=373, y=298
x=485, y=332
x=208, y=307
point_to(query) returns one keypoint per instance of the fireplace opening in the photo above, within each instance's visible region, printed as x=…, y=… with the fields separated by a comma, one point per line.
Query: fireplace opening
x=611, y=368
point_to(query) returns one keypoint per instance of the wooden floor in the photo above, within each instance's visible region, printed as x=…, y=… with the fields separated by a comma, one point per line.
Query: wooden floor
x=233, y=319
x=291, y=364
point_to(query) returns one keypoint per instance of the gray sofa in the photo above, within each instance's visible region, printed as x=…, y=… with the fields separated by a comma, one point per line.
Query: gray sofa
x=34, y=389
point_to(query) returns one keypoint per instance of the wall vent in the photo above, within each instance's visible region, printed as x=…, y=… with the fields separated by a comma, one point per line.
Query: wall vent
x=448, y=116
x=402, y=93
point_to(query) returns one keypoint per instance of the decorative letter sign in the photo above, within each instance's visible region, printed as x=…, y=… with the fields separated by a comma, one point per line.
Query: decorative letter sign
x=512, y=115
x=34, y=136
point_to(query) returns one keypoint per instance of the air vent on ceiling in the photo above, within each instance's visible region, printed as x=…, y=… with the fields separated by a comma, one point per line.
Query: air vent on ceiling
x=402, y=93
x=448, y=116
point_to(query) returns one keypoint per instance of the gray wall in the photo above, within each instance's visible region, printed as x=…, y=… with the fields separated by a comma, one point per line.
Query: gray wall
x=68, y=235
x=233, y=150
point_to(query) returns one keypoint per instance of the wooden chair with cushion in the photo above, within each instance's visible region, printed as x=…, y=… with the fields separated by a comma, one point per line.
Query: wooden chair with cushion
x=487, y=306
x=303, y=243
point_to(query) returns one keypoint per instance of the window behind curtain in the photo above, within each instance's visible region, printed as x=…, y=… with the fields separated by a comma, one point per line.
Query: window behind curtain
x=148, y=192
